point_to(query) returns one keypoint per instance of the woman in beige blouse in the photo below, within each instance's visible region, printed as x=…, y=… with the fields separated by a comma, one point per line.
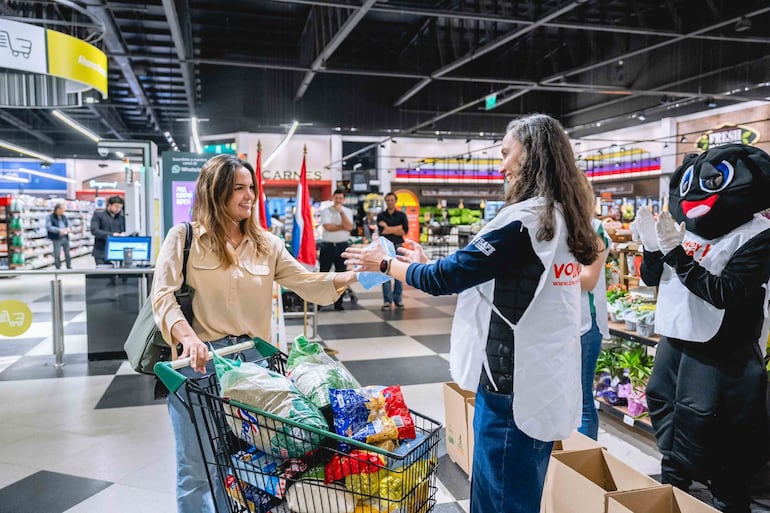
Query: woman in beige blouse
x=232, y=266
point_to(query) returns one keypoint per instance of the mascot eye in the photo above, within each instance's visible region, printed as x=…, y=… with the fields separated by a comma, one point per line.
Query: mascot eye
x=717, y=181
x=686, y=183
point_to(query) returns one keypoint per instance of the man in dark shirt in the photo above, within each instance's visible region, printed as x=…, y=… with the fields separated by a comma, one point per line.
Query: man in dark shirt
x=393, y=225
x=106, y=223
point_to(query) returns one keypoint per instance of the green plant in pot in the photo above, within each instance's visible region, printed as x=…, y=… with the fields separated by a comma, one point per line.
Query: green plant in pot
x=638, y=367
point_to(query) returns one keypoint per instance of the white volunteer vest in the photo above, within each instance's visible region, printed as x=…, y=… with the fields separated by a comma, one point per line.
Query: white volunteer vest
x=680, y=313
x=547, y=341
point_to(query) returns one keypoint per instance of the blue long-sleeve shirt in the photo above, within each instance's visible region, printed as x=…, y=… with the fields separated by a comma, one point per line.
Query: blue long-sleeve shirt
x=489, y=256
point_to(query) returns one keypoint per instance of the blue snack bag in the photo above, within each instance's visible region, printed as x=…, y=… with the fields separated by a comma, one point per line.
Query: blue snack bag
x=369, y=279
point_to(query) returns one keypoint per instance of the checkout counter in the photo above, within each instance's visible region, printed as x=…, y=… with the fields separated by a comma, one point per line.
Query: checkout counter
x=113, y=300
x=114, y=295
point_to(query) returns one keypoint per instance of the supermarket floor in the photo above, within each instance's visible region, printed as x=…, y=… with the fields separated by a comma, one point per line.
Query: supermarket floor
x=89, y=438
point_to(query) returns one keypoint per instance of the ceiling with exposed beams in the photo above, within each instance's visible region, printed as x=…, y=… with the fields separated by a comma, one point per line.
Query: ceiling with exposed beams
x=383, y=67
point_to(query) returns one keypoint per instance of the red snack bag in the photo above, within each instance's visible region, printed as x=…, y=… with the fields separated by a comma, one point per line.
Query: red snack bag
x=357, y=462
x=395, y=408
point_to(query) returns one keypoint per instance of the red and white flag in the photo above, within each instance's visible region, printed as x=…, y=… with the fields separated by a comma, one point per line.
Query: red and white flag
x=302, y=235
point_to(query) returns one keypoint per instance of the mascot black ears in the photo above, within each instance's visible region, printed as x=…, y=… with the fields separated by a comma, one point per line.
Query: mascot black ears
x=720, y=189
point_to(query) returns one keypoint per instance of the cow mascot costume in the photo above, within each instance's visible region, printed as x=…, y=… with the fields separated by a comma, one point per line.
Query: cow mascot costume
x=710, y=257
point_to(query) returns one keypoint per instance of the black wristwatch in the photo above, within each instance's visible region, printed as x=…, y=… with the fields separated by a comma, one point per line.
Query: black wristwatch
x=385, y=265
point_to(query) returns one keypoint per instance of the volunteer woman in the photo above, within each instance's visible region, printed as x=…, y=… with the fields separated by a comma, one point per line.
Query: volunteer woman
x=523, y=266
x=593, y=328
x=232, y=266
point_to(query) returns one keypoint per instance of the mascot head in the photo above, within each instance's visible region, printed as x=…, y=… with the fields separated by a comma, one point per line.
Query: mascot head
x=720, y=189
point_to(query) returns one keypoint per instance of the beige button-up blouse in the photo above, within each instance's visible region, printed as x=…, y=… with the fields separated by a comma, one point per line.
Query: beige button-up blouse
x=236, y=300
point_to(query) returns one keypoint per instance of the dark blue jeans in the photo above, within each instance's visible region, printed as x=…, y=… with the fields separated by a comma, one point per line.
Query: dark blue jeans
x=508, y=465
x=394, y=295
x=590, y=345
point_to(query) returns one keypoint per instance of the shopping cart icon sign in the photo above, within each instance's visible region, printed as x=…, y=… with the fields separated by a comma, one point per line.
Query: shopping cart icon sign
x=17, y=45
x=14, y=320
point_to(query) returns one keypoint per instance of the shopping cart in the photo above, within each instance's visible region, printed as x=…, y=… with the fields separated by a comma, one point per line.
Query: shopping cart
x=277, y=477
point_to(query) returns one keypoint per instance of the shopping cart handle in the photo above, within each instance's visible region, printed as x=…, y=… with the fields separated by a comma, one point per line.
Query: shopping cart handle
x=166, y=371
x=237, y=348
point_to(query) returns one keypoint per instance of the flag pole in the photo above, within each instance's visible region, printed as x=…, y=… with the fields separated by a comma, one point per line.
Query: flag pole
x=304, y=302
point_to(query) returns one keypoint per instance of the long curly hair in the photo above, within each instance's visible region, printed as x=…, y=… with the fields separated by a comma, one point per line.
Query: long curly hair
x=548, y=170
x=215, y=185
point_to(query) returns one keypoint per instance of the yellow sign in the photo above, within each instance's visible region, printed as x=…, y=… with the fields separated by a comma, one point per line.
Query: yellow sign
x=15, y=318
x=73, y=59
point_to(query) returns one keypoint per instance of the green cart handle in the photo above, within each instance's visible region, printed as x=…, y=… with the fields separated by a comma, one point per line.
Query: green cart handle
x=166, y=371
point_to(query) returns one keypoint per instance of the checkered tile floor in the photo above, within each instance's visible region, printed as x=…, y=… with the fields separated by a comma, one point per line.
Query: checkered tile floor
x=88, y=437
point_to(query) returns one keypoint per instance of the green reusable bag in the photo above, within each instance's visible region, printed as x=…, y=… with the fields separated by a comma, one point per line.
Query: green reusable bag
x=144, y=345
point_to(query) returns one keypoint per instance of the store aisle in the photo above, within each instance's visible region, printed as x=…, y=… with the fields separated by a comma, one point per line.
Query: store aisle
x=89, y=438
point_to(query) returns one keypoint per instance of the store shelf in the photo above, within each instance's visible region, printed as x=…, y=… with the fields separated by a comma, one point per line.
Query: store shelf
x=642, y=424
x=618, y=329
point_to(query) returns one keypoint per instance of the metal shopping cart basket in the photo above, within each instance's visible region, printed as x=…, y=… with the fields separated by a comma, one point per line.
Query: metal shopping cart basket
x=281, y=475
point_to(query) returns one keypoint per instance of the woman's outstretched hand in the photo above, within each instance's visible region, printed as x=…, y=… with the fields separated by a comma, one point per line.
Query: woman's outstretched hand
x=365, y=259
x=412, y=254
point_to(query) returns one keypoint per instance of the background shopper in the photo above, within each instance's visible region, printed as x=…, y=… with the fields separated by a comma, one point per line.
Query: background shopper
x=232, y=265
x=393, y=225
x=524, y=263
x=337, y=221
x=58, y=228
x=109, y=222
x=593, y=328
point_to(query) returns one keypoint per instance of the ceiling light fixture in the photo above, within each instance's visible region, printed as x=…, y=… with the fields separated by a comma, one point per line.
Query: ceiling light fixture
x=683, y=139
x=75, y=125
x=742, y=25
x=282, y=145
x=14, y=178
x=641, y=117
x=24, y=151
x=46, y=175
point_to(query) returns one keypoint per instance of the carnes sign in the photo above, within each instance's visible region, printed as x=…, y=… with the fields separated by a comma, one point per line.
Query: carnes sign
x=727, y=134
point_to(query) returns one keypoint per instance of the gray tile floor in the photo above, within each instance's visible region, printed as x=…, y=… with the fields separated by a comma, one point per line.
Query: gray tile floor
x=90, y=438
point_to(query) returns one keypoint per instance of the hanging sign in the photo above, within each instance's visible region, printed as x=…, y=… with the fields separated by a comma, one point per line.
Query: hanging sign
x=727, y=134
x=33, y=49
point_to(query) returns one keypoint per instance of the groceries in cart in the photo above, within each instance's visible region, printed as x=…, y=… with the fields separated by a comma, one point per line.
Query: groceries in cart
x=372, y=414
x=255, y=386
x=314, y=372
x=272, y=451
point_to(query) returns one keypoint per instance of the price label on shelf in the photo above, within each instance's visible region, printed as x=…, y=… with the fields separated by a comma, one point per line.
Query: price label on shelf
x=628, y=419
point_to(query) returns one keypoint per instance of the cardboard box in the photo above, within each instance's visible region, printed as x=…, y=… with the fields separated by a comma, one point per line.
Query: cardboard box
x=470, y=412
x=579, y=481
x=660, y=499
x=576, y=442
x=456, y=422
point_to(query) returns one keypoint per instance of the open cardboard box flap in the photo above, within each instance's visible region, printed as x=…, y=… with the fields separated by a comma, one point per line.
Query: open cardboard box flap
x=659, y=499
x=578, y=481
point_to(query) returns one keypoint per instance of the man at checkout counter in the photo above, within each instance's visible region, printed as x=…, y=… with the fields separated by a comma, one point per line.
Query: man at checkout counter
x=106, y=223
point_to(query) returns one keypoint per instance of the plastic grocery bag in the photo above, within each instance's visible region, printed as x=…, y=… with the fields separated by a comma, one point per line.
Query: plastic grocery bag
x=370, y=279
x=255, y=386
x=360, y=414
x=314, y=372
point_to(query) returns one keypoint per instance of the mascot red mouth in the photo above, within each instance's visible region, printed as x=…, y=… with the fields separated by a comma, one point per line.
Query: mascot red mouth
x=693, y=209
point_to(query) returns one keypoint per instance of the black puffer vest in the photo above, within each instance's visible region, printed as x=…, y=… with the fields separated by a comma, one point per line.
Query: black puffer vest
x=514, y=291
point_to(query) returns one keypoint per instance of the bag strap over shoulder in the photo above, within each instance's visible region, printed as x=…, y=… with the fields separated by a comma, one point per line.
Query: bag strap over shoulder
x=187, y=243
